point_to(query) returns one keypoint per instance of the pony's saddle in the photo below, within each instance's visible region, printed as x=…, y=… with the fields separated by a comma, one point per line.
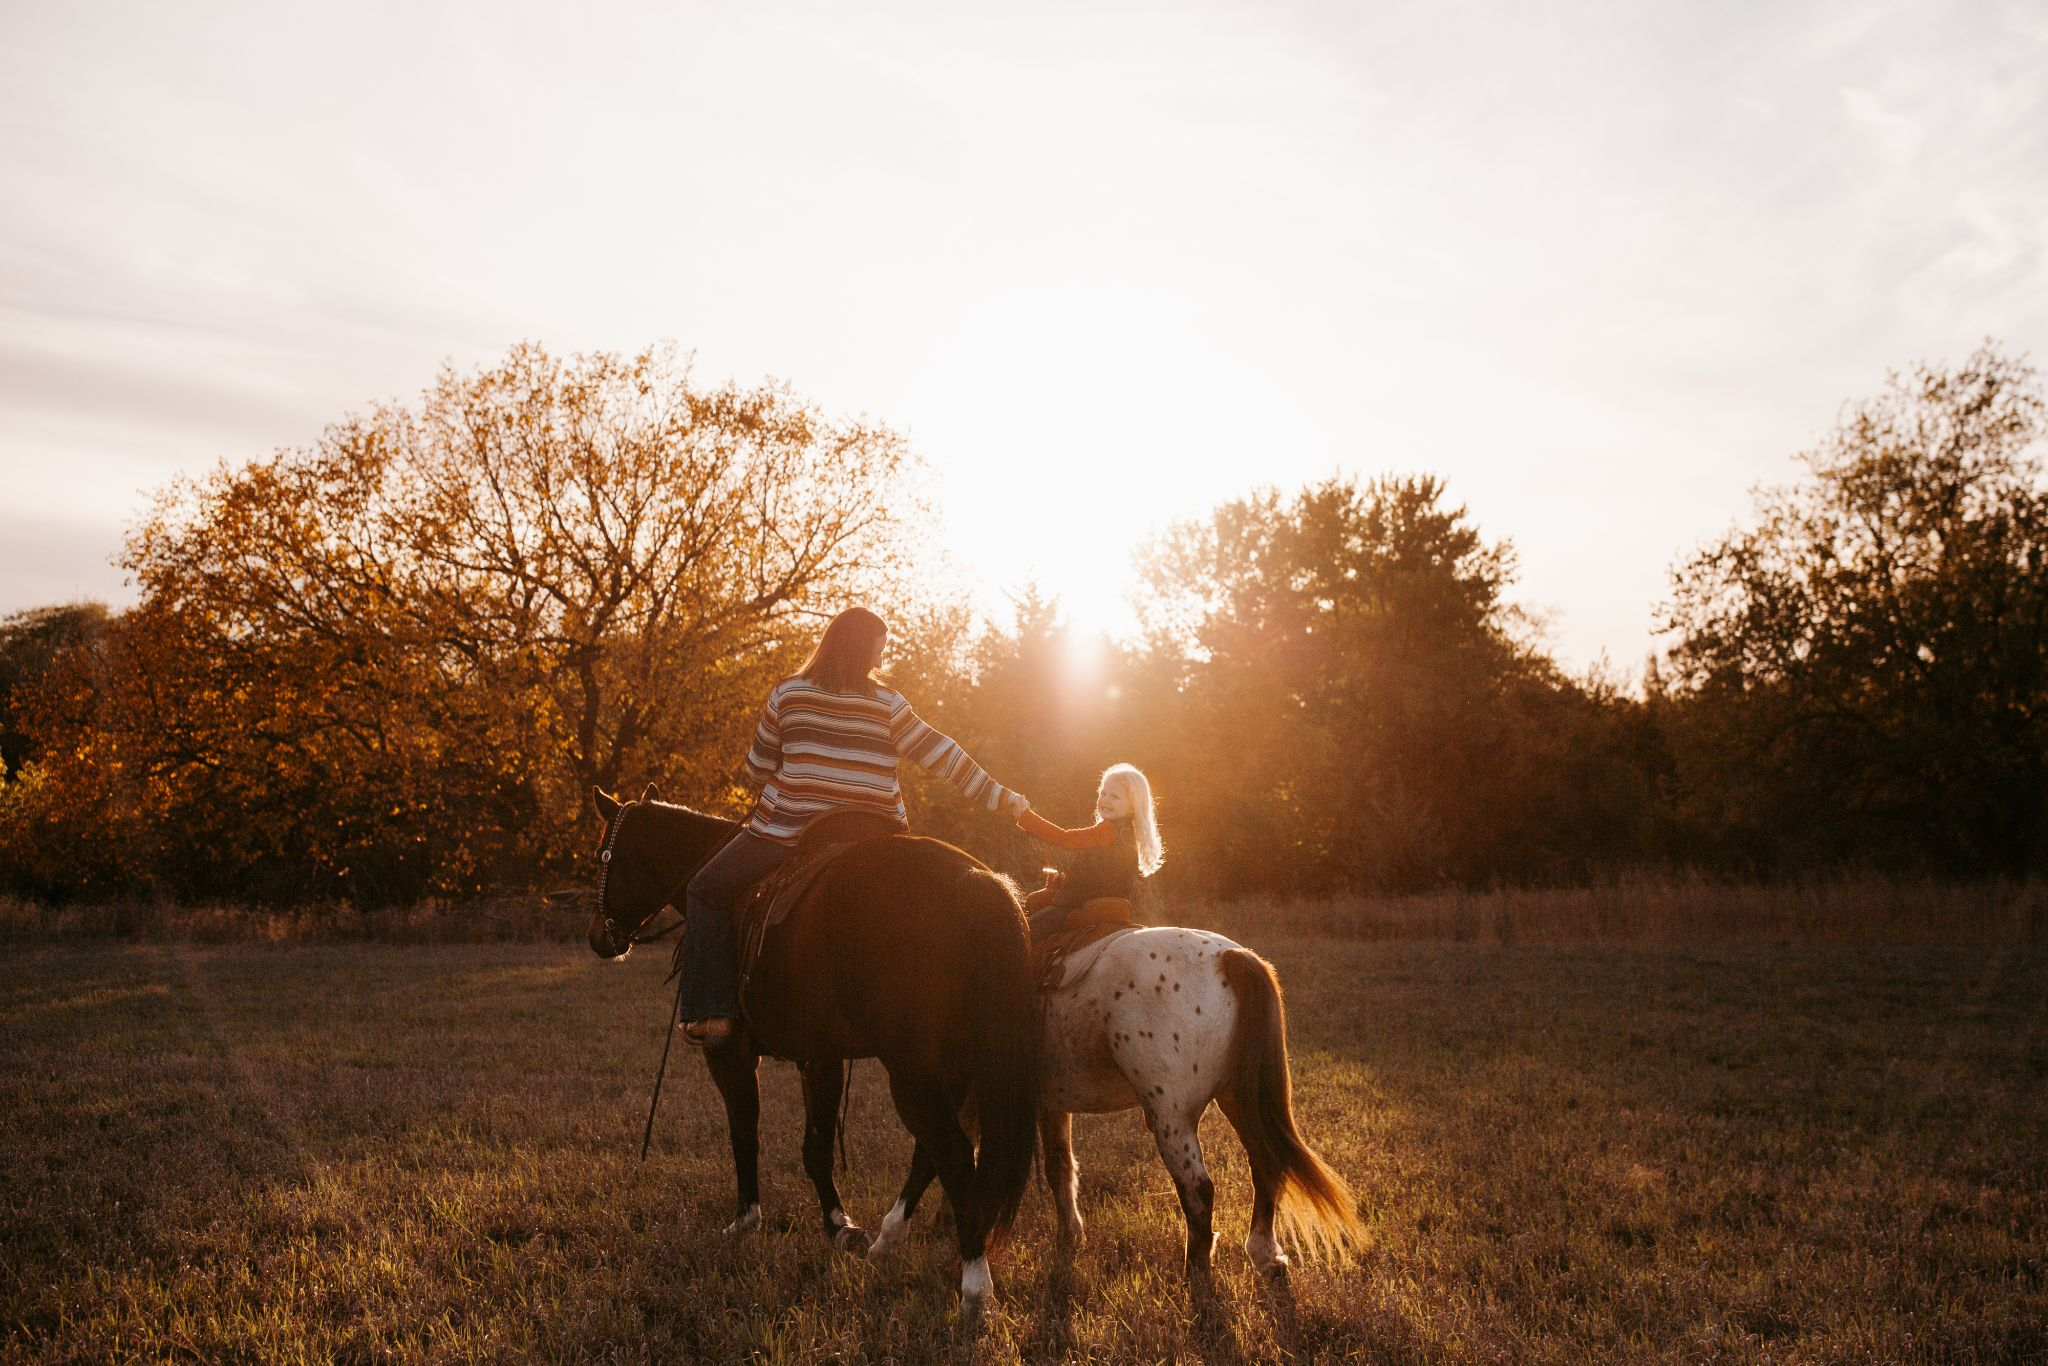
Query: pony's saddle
x=1062, y=958
x=768, y=902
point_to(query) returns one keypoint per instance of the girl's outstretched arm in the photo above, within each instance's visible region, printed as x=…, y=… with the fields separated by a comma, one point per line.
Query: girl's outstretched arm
x=1092, y=837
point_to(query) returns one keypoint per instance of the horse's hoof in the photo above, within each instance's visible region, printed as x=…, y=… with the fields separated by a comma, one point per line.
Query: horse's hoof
x=748, y=1221
x=851, y=1238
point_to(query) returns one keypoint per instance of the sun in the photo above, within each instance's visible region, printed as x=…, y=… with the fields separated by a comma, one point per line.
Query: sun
x=1093, y=604
x=1013, y=540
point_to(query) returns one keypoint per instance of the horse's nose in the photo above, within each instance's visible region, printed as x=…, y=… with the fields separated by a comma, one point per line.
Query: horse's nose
x=601, y=941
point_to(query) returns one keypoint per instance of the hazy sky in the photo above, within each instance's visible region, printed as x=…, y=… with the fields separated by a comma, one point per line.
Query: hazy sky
x=1601, y=266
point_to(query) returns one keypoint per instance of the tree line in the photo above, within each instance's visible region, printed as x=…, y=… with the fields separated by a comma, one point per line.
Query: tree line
x=391, y=665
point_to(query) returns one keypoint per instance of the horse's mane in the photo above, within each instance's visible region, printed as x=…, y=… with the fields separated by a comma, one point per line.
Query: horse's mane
x=678, y=809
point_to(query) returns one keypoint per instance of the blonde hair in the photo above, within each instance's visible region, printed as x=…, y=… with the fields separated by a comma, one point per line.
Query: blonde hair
x=1137, y=790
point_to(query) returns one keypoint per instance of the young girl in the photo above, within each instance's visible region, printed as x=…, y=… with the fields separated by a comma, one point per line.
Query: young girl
x=1110, y=856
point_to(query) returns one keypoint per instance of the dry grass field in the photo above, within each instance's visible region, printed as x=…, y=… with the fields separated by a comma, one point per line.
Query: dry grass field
x=1637, y=1151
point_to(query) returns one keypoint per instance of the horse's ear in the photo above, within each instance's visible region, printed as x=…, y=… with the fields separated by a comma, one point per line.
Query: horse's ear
x=607, y=804
x=652, y=794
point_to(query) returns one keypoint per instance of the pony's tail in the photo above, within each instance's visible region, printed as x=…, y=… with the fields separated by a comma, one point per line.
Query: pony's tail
x=1314, y=1209
x=1005, y=1086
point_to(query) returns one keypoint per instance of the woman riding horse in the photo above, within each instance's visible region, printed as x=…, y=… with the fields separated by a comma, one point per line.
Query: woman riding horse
x=903, y=949
x=829, y=741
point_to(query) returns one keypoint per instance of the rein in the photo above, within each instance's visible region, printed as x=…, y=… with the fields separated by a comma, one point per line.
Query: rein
x=675, y=1011
x=637, y=937
x=671, y=928
x=675, y=1022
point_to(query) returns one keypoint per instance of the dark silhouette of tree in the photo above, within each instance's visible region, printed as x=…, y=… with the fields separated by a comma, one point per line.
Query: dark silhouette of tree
x=1353, y=683
x=1865, y=669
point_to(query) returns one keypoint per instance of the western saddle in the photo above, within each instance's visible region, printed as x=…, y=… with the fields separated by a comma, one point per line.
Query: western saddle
x=769, y=902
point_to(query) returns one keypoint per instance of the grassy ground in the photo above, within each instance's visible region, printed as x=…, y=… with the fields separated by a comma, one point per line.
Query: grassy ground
x=1650, y=908
x=1633, y=1153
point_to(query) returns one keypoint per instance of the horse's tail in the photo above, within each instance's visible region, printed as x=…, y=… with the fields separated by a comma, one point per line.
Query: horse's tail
x=1004, y=1014
x=1313, y=1207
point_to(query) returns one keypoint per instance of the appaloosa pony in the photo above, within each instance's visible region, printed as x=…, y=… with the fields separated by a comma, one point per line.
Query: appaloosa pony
x=905, y=949
x=1168, y=1020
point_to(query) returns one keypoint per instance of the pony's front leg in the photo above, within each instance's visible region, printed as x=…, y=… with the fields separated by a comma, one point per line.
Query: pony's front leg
x=824, y=1084
x=1062, y=1173
x=895, y=1229
x=735, y=1070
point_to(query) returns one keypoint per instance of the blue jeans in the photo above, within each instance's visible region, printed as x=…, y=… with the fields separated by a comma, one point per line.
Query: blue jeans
x=1047, y=920
x=711, y=969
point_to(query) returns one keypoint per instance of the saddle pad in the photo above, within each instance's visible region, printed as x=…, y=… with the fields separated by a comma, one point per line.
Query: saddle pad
x=1086, y=925
x=1075, y=964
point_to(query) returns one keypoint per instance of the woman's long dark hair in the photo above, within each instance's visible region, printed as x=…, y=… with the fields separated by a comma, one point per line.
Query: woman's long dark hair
x=845, y=652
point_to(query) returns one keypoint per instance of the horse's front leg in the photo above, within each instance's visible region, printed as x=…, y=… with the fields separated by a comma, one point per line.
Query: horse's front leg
x=1062, y=1173
x=824, y=1083
x=735, y=1069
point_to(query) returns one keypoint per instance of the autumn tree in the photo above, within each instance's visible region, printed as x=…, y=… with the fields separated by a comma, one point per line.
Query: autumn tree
x=34, y=646
x=394, y=662
x=65, y=802
x=1864, y=670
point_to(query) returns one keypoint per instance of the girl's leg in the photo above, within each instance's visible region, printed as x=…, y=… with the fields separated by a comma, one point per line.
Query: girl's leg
x=710, y=985
x=1046, y=922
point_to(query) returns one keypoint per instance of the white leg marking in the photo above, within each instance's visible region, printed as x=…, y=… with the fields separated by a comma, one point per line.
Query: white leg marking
x=746, y=1223
x=1263, y=1250
x=895, y=1232
x=975, y=1284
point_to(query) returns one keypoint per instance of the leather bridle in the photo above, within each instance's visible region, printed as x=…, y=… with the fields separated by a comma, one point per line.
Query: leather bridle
x=604, y=871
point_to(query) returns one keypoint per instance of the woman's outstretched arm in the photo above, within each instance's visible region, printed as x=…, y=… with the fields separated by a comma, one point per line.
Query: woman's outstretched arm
x=940, y=754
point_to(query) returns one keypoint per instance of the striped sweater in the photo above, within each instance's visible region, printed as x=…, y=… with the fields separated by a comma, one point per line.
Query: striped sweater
x=817, y=751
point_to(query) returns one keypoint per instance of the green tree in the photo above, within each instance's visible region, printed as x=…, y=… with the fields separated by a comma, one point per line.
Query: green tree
x=1864, y=671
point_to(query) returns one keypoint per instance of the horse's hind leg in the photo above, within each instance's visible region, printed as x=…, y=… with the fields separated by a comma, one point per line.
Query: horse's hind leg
x=1259, y=1244
x=1062, y=1173
x=895, y=1230
x=824, y=1083
x=934, y=1122
x=1175, y=1131
x=735, y=1070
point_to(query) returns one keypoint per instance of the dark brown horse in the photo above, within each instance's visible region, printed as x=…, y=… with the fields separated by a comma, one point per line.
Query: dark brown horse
x=906, y=949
